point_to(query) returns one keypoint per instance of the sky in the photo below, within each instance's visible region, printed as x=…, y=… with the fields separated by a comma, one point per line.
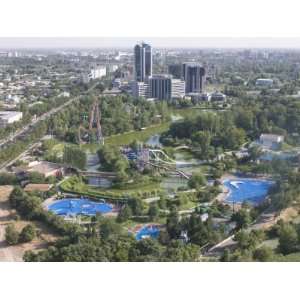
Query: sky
x=215, y=23
x=157, y=42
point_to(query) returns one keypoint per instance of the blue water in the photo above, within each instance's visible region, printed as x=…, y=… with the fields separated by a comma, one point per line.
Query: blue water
x=148, y=231
x=74, y=206
x=247, y=190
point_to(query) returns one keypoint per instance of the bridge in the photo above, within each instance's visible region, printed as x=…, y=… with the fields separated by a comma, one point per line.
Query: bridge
x=108, y=175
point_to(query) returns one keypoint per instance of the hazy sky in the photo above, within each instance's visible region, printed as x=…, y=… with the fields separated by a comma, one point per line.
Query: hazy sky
x=151, y=18
x=168, y=42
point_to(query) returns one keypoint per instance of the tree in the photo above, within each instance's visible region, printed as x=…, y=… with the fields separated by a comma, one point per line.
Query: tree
x=242, y=218
x=28, y=233
x=234, y=138
x=7, y=178
x=109, y=227
x=173, y=224
x=254, y=152
x=16, y=196
x=153, y=211
x=225, y=256
x=124, y=214
x=196, y=181
x=202, y=140
x=36, y=177
x=75, y=157
x=11, y=234
x=288, y=239
x=137, y=206
x=263, y=253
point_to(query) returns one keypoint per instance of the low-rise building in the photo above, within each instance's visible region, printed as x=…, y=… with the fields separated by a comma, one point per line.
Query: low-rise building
x=9, y=117
x=264, y=82
x=217, y=97
x=271, y=141
x=45, y=168
x=38, y=187
x=140, y=89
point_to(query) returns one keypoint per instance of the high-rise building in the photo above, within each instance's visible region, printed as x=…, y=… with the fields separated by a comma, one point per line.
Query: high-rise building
x=194, y=76
x=142, y=62
x=164, y=87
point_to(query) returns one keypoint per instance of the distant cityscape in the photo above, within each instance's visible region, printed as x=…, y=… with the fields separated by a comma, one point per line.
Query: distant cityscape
x=146, y=153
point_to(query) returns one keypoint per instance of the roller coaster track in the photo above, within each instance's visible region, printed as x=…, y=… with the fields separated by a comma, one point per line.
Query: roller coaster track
x=168, y=159
x=180, y=173
x=156, y=153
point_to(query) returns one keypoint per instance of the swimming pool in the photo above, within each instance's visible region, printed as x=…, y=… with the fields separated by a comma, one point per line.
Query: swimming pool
x=247, y=190
x=79, y=206
x=148, y=231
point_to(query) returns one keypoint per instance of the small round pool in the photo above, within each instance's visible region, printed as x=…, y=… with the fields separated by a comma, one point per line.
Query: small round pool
x=79, y=206
x=242, y=190
x=148, y=231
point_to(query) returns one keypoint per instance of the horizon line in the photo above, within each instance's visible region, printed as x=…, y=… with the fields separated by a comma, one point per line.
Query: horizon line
x=54, y=42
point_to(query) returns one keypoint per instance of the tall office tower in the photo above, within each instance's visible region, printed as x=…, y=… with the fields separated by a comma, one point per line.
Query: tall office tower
x=142, y=62
x=194, y=76
x=164, y=87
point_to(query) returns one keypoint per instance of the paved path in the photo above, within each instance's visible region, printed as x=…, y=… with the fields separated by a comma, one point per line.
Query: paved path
x=264, y=221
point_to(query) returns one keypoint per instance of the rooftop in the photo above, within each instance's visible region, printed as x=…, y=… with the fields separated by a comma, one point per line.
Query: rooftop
x=9, y=114
x=40, y=187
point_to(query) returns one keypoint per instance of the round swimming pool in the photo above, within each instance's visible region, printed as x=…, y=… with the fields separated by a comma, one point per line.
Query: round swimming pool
x=148, y=231
x=79, y=206
x=247, y=190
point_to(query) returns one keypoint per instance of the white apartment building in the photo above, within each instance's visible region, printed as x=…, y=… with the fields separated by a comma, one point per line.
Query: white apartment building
x=9, y=117
x=271, y=141
x=95, y=73
x=177, y=88
x=98, y=72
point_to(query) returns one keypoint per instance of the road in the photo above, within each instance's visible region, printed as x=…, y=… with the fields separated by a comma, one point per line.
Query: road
x=42, y=117
x=34, y=122
x=26, y=128
x=265, y=220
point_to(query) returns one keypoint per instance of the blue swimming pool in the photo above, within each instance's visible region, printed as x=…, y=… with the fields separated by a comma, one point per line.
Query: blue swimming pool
x=148, y=231
x=247, y=190
x=79, y=206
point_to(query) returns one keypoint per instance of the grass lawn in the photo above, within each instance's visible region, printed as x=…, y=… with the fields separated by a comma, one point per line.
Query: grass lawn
x=58, y=149
x=128, y=137
x=77, y=186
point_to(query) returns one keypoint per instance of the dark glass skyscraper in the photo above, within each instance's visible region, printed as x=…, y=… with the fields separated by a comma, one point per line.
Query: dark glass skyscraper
x=194, y=76
x=142, y=62
x=160, y=87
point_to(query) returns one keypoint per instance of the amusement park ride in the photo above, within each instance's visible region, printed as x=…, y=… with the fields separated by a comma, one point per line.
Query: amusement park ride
x=143, y=156
x=94, y=129
x=155, y=158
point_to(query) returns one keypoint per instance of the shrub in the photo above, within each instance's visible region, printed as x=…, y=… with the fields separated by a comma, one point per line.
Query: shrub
x=11, y=235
